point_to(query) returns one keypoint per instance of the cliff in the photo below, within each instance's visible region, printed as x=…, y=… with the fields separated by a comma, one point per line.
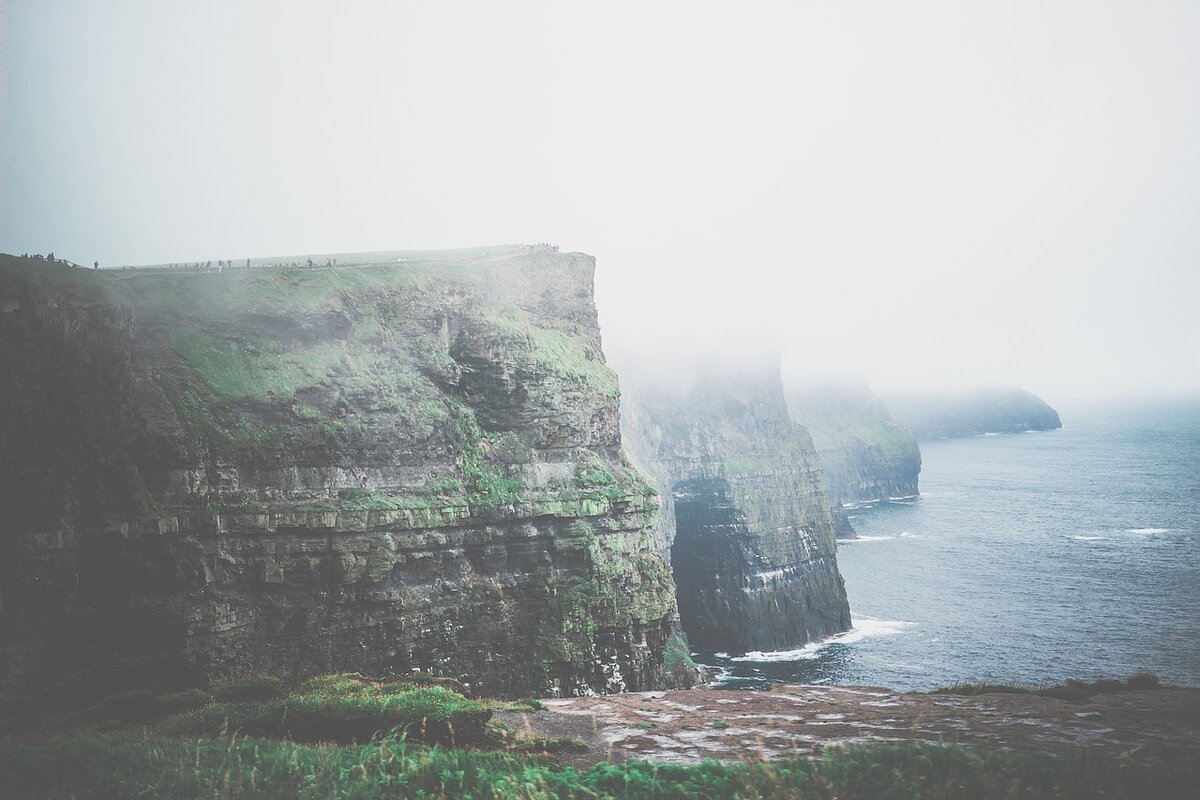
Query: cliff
x=947, y=415
x=752, y=539
x=384, y=467
x=865, y=455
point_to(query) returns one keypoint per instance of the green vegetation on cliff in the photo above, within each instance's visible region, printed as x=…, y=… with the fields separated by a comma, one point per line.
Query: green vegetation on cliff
x=839, y=416
x=865, y=454
x=556, y=350
x=383, y=466
x=341, y=708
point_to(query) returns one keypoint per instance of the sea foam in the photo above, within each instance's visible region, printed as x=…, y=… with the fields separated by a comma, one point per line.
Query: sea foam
x=864, y=627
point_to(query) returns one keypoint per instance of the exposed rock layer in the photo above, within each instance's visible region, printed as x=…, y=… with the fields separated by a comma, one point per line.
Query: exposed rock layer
x=752, y=538
x=865, y=455
x=378, y=468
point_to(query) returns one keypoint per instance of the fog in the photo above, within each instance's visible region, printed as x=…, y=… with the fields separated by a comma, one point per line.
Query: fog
x=918, y=194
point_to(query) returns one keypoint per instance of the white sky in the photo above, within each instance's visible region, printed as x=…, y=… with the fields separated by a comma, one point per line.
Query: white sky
x=920, y=193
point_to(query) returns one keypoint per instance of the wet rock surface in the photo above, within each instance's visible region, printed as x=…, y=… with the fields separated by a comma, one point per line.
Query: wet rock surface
x=686, y=726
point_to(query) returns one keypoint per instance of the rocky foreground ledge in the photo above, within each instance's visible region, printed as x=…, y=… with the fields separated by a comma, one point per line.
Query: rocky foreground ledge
x=1153, y=727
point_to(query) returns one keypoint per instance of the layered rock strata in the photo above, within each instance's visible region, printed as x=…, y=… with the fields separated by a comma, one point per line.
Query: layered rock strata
x=752, y=538
x=865, y=455
x=409, y=464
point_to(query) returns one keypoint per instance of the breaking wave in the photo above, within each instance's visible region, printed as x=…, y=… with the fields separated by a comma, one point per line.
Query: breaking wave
x=864, y=627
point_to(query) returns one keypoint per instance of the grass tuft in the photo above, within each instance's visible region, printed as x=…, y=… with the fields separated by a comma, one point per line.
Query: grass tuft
x=123, y=768
x=255, y=687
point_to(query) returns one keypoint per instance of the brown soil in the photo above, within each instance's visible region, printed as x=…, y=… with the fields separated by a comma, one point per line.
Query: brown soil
x=688, y=725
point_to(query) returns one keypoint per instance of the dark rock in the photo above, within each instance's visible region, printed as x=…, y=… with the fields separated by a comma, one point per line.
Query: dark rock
x=752, y=537
x=865, y=455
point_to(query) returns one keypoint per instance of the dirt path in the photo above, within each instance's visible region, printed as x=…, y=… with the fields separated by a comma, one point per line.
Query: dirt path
x=686, y=726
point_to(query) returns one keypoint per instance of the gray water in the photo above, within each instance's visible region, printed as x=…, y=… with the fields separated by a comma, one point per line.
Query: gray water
x=1029, y=558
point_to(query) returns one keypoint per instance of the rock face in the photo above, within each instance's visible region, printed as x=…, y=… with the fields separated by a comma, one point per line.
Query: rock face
x=943, y=416
x=865, y=455
x=383, y=468
x=752, y=539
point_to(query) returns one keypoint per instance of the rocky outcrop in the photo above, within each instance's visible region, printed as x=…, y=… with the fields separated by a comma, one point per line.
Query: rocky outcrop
x=752, y=539
x=865, y=455
x=384, y=467
x=951, y=414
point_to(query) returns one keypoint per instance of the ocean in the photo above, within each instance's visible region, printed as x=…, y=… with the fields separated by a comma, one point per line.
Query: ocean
x=1028, y=558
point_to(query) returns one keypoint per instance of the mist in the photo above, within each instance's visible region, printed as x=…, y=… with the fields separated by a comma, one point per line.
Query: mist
x=921, y=195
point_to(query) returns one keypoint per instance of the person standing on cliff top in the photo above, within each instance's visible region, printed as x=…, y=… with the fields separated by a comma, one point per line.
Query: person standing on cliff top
x=95, y=265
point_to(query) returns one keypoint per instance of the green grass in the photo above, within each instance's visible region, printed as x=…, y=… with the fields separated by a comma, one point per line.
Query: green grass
x=123, y=768
x=562, y=352
x=591, y=472
x=337, y=708
x=207, y=420
x=255, y=687
x=488, y=485
x=676, y=656
x=248, y=367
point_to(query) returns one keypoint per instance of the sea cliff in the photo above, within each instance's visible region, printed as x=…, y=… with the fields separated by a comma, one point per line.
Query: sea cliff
x=865, y=455
x=396, y=465
x=951, y=414
x=751, y=534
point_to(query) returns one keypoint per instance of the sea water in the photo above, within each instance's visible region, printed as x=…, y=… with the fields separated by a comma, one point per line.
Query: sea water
x=1028, y=558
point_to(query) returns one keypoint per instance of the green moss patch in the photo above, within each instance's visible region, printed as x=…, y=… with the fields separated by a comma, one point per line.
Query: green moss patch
x=561, y=351
x=343, y=708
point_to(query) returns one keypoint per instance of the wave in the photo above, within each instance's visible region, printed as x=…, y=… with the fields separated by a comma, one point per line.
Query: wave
x=910, y=535
x=1082, y=538
x=867, y=539
x=864, y=627
x=1147, y=530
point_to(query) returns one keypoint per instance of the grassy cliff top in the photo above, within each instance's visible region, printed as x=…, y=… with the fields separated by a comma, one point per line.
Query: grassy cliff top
x=454, y=358
x=843, y=416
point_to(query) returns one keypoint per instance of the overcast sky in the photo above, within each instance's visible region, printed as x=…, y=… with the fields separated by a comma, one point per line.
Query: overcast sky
x=916, y=193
